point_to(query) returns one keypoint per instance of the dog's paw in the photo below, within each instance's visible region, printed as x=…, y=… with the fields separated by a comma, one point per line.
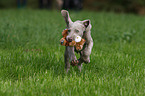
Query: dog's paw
x=74, y=62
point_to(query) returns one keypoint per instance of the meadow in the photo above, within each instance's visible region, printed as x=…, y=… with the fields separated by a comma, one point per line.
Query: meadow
x=32, y=62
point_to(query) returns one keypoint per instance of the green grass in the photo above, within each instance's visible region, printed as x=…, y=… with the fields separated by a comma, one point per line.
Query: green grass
x=32, y=62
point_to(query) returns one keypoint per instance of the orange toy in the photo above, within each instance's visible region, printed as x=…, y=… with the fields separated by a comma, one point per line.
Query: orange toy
x=64, y=42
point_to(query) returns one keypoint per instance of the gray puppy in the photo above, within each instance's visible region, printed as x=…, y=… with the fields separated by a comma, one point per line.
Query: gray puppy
x=82, y=29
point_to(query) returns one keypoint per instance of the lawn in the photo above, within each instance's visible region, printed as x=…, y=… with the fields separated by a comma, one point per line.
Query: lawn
x=32, y=62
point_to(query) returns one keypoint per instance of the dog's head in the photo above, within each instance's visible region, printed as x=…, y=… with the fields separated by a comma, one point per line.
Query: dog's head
x=76, y=28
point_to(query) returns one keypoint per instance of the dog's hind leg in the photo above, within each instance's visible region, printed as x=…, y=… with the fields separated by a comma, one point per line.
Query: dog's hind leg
x=80, y=62
x=80, y=66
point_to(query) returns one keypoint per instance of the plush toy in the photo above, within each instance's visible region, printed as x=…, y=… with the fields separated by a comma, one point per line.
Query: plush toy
x=63, y=40
x=78, y=42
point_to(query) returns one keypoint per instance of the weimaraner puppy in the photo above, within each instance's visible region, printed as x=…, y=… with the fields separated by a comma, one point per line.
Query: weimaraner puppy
x=82, y=29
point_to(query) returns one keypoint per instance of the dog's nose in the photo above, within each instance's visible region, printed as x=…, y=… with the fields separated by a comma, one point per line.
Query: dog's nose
x=69, y=39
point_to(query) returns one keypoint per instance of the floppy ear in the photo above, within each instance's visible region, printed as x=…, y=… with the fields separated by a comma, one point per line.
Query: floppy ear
x=67, y=19
x=86, y=23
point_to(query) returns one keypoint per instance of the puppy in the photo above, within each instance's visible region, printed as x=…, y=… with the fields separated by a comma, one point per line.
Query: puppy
x=82, y=29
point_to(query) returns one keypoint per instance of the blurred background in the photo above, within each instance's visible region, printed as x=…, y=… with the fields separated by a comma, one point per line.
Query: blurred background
x=119, y=6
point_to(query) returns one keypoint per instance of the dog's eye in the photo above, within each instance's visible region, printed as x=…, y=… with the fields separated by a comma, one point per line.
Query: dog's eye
x=77, y=31
x=69, y=31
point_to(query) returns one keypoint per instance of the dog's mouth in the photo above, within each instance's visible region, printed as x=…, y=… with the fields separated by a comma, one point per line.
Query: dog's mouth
x=69, y=39
x=75, y=38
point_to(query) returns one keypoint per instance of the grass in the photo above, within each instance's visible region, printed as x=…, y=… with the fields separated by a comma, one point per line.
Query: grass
x=32, y=62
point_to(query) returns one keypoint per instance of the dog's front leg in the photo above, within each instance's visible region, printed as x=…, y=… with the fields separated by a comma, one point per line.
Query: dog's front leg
x=85, y=54
x=66, y=59
x=73, y=58
x=70, y=56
